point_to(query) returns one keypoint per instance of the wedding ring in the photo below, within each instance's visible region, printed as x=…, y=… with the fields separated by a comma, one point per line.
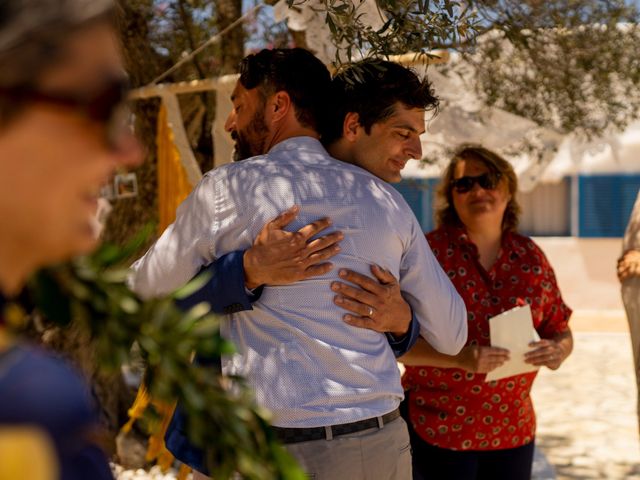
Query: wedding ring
x=370, y=311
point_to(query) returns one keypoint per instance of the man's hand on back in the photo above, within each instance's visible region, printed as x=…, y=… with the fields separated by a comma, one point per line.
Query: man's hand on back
x=279, y=257
x=376, y=302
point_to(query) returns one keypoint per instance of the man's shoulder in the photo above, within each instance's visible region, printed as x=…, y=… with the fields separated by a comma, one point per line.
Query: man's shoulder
x=236, y=167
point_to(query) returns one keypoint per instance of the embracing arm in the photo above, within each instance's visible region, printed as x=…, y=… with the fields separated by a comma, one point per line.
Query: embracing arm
x=433, y=298
x=225, y=289
x=424, y=295
x=277, y=257
x=401, y=344
x=182, y=249
x=377, y=304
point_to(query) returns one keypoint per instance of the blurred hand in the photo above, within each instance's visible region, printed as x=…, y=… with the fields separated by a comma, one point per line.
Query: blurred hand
x=376, y=302
x=480, y=359
x=278, y=257
x=546, y=353
x=629, y=265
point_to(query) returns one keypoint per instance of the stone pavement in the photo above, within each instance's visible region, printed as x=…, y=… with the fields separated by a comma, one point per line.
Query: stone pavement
x=587, y=427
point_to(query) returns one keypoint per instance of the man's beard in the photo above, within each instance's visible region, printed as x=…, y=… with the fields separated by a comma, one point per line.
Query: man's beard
x=253, y=141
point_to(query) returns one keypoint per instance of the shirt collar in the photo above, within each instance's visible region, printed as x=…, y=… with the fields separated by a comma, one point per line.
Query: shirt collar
x=297, y=143
x=458, y=235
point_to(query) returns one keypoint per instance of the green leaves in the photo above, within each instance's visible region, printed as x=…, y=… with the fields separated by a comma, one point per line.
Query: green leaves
x=222, y=416
x=571, y=66
x=410, y=26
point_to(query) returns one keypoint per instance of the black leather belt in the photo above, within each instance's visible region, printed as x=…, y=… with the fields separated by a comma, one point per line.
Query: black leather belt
x=296, y=435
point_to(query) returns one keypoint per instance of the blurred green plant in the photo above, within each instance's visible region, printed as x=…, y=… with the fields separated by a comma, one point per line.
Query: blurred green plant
x=222, y=417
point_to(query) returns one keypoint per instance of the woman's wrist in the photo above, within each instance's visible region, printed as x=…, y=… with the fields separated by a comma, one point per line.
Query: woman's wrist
x=462, y=358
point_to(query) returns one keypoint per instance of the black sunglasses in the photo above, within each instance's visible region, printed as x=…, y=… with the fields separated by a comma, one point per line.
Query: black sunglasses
x=487, y=181
x=106, y=105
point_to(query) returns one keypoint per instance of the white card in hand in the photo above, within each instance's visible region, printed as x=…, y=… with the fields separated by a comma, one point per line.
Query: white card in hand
x=514, y=331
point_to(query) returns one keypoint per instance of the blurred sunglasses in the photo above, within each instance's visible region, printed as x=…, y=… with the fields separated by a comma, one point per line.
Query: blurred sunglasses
x=486, y=181
x=106, y=105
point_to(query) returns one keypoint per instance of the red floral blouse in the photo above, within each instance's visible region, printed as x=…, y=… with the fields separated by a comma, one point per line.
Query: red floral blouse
x=454, y=409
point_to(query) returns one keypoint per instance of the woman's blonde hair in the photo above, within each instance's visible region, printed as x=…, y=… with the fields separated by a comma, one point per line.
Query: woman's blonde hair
x=445, y=212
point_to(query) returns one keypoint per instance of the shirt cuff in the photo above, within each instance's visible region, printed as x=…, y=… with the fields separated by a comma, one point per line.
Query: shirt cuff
x=225, y=290
x=402, y=345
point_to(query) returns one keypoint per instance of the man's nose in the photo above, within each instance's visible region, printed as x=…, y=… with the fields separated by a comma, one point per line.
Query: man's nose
x=414, y=148
x=230, y=124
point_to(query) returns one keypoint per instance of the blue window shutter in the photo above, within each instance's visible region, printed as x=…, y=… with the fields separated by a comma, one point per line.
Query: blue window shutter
x=605, y=203
x=418, y=193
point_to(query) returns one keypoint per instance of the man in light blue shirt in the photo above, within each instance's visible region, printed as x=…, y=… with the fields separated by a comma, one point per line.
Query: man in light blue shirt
x=315, y=372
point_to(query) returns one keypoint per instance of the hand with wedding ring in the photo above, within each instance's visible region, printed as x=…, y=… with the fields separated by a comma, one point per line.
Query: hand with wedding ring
x=374, y=303
x=548, y=353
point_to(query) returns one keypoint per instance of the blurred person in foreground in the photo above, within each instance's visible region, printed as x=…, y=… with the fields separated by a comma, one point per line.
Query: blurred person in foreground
x=463, y=427
x=61, y=84
x=628, y=270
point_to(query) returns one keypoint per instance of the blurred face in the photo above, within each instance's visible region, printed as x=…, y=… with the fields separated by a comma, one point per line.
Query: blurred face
x=479, y=197
x=385, y=150
x=54, y=157
x=246, y=123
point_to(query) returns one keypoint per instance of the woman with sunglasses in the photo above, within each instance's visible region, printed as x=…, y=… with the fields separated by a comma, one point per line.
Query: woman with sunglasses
x=463, y=427
x=60, y=89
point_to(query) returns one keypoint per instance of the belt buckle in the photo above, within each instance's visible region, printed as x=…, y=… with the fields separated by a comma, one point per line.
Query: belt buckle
x=328, y=432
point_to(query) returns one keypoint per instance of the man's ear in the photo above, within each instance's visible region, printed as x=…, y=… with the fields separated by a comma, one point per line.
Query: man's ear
x=280, y=105
x=351, y=126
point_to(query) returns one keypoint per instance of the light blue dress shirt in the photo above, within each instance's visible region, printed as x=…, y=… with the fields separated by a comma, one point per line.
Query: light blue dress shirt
x=303, y=361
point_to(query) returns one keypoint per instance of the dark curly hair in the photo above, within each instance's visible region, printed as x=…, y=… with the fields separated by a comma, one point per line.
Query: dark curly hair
x=371, y=88
x=445, y=212
x=293, y=70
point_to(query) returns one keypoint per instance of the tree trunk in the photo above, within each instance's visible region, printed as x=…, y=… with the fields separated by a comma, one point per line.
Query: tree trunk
x=232, y=44
x=143, y=64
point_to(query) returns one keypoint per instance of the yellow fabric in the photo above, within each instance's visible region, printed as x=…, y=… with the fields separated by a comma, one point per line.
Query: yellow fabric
x=173, y=188
x=183, y=472
x=140, y=404
x=27, y=453
x=157, y=450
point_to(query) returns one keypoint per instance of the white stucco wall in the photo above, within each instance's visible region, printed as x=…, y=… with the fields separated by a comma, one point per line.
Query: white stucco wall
x=585, y=268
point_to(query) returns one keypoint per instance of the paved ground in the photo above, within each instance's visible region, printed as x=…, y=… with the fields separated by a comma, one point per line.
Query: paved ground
x=587, y=426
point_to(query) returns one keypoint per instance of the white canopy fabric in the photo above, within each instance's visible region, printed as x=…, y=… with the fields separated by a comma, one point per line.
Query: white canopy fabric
x=311, y=20
x=463, y=118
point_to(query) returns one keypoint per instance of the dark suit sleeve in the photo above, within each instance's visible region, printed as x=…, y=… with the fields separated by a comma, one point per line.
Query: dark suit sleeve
x=225, y=290
x=403, y=345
